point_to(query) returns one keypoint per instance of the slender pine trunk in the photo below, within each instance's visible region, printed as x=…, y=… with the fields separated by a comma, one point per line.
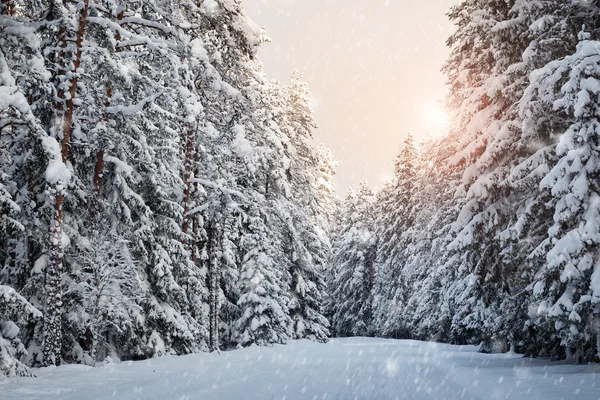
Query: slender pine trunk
x=187, y=179
x=213, y=288
x=31, y=197
x=99, y=167
x=53, y=316
x=195, y=221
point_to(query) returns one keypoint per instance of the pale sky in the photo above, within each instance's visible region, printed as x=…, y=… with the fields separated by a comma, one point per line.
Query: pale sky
x=373, y=67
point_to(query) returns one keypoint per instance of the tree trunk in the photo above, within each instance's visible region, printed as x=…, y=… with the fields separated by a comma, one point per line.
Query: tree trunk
x=213, y=288
x=189, y=154
x=30, y=194
x=53, y=316
x=99, y=168
x=98, y=178
x=195, y=222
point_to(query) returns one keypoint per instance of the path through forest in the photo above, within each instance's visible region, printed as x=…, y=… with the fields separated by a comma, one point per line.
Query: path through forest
x=358, y=368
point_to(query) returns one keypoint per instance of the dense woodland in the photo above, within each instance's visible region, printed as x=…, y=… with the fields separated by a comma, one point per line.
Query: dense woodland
x=159, y=195
x=491, y=233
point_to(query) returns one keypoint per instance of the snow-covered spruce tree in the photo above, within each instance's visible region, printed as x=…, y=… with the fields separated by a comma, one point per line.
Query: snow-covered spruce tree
x=484, y=47
x=309, y=245
x=424, y=242
x=108, y=286
x=264, y=293
x=264, y=278
x=498, y=43
x=565, y=287
x=229, y=185
x=14, y=309
x=353, y=263
x=395, y=217
x=71, y=34
x=326, y=187
x=550, y=32
x=32, y=158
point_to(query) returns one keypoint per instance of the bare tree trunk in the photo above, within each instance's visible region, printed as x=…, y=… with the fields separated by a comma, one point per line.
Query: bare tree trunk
x=30, y=193
x=194, y=245
x=53, y=316
x=99, y=168
x=189, y=154
x=195, y=222
x=213, y=288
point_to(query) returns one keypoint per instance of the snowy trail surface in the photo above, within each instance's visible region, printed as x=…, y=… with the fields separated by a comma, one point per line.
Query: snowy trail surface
x=357, y=368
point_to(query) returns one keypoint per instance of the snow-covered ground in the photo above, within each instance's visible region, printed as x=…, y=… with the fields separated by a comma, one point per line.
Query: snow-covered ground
x=342, y=369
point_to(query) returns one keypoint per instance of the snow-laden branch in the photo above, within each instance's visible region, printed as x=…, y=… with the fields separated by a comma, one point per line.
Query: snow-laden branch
x=133, y=109
x=218, y=187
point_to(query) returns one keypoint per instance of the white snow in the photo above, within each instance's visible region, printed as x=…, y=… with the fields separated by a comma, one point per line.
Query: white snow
x=357, y=368
x=198, y=50
x=241, y=145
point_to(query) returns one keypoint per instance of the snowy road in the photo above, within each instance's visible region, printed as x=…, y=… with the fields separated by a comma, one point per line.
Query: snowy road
x=342, y=369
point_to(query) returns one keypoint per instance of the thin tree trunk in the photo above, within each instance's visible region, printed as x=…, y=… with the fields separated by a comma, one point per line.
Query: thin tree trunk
x=30, y=193
x=53, y=316
x=99, y=168
x=213, y=288
x=120, y=17
x=195, y=221
x=189, y=154
x=98, y=178
x=194, y=246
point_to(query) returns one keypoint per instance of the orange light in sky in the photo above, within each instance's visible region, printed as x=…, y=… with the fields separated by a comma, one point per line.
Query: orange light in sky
x=435, y=118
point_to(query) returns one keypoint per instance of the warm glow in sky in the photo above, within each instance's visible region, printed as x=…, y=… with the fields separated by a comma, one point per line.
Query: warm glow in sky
x=373, y=67
x=435, y=118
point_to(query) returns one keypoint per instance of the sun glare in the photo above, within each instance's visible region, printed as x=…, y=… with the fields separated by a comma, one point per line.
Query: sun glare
x=436, y=119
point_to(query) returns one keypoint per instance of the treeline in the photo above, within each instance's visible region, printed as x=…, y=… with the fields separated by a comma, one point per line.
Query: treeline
x=490, y=233
x=158, y=195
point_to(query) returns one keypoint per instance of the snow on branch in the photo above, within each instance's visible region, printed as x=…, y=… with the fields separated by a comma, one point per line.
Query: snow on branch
x=218, y=187
x=133, y=109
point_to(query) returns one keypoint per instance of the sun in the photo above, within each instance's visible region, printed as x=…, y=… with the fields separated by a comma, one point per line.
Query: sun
x=436, y=118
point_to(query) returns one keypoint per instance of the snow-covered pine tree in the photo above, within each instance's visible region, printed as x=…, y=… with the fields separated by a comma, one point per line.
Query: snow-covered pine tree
x=14, y=308
x=426, y=312
x=309, y=244
x=263, y=286
x=109, y=289
x=566, y=286
x=353, y=262
x=326, y=187
x=32, y=158
x=71, y=36
x=484, y=47
x=395, y=217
